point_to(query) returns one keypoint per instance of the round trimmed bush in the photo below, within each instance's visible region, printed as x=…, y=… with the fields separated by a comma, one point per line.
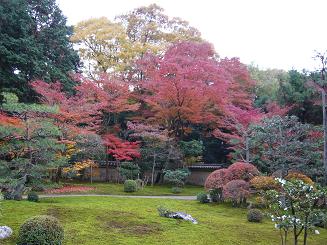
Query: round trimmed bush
x=202, y=197
x=43, y=229
x=217, y=179
x=255, y=215
x=130, y=186
x=33, y=197
x=176, y=190
x=242, y=170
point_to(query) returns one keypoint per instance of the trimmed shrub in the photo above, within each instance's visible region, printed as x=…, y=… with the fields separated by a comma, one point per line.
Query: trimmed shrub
x=33, y=197
x=176, y=190
x=216, y=195
x=255, y=215
x=202, y=197
x=130, y=186
x=41, y=229
x=299, y=176
x=176, y=177
x=217, y=179
x=237, y=191
x=264, y=183
x=129, y=170
x=242, y=170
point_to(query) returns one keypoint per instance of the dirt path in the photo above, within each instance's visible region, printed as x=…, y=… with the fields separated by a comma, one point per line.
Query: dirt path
x=122, y=196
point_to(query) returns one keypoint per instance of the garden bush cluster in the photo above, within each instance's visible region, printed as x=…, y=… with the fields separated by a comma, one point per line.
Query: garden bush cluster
x=233, y=181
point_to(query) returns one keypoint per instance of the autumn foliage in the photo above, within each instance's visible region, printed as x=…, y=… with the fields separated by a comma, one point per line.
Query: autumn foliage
x=70, y=189
x=299, y=176
x=236, y=171
x=217, y=179
x=237, y=191
x=77, y=113
x=121, y=150
x=189, y=85
x=263, y=183
x=11, y=121
x=242, y=170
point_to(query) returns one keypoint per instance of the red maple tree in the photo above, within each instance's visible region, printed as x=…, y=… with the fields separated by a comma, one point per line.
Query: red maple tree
x=190, y=85
x=121, y=150
x=77, y=113
x=180, y=87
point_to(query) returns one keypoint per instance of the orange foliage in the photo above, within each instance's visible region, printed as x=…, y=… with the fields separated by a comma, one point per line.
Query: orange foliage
x=264, y=183
x=10, y=120
x=299, y=176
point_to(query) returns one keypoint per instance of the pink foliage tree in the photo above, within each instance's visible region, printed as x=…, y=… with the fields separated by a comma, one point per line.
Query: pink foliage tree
x=242, y=170
x=217, y=179
x=237, y=191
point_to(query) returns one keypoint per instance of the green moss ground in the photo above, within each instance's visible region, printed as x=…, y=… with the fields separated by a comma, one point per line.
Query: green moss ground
x=118, y=189
x=107, y=220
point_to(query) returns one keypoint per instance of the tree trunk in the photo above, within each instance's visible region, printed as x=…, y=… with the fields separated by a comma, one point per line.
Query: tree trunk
x=247, y=149
x=153, y=168
x=17, y=192
x=305, y=230
x=325, y=133
x=58, y=175
x=295, y=239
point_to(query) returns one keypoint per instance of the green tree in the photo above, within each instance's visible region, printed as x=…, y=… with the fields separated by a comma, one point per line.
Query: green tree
x=267, y=84
x=284, y=143
x=177, y=177
x=28, y=148
x=294, y=92
x=34, y=44
x=152, y=30
x=192, y=151
x=129, y=170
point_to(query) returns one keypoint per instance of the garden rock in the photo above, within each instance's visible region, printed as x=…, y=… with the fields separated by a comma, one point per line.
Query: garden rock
x=5, y=232
x=184, y=216
x=176, y=215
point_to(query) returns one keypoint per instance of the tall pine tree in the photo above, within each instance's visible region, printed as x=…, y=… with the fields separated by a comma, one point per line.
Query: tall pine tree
x=34, y=44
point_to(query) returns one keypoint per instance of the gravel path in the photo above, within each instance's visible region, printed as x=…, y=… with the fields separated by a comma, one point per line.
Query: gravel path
x=126, y=196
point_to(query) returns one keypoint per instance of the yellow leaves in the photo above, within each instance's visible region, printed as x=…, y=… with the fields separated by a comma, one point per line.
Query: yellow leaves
x=70, y=149
x=79, y=167
x=103, y=44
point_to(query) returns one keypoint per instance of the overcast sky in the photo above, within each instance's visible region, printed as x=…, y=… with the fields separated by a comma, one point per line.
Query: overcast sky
x=271, y=33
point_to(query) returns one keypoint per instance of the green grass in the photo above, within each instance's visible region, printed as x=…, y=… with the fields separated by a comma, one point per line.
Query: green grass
x=107, y=220
x=118, y=189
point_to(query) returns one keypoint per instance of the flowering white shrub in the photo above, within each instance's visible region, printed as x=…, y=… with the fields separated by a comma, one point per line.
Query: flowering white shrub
x=294, y=207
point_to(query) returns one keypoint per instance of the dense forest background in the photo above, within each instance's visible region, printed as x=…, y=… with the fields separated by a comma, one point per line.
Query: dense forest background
x=147, y=88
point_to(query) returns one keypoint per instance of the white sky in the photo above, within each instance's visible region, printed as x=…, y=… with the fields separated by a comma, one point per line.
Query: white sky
x=271, y=33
